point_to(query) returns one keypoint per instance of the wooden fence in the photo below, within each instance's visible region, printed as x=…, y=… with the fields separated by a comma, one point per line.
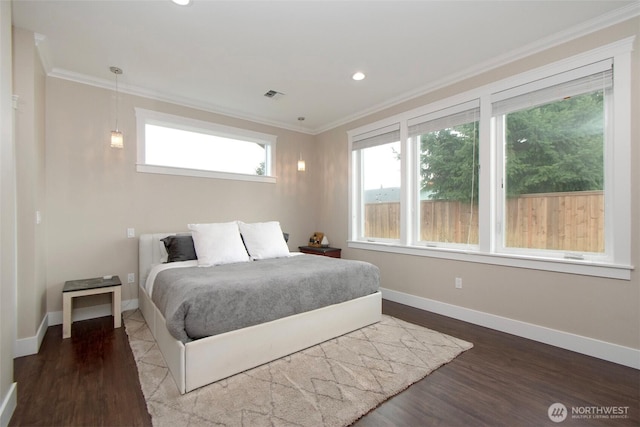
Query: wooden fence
x=572, y=221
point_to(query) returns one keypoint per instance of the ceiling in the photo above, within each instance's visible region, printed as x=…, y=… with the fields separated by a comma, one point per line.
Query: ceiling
x=223, y=56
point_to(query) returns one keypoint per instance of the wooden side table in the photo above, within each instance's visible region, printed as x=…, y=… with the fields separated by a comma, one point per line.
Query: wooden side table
x=324, y=251
x=80, y=288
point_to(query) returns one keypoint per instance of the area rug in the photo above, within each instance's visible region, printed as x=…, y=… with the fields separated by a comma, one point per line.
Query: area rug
x=331, y=384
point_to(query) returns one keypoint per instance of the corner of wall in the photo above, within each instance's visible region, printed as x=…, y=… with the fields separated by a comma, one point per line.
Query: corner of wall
x=31, y=345
x=9, y=403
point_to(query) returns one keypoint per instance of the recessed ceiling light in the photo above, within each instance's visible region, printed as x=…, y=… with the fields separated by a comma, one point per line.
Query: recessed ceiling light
x=181, y=2
x=358, y=76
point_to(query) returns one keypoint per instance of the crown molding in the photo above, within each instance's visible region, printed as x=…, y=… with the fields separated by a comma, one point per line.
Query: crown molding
x=42, y=46
x=169, y=98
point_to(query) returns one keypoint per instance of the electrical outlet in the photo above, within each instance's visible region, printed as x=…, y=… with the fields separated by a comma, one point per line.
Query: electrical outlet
x=458, y=282
x=131, y=278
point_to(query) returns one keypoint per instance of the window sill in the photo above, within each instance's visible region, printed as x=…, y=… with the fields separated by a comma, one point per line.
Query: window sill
x=165, y=170
x=581, y=267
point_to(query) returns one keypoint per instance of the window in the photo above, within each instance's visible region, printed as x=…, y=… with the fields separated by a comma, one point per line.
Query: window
x=553, y=143
x=377, y=155
x=532, y=171
x=175, y=145
x=447, y=147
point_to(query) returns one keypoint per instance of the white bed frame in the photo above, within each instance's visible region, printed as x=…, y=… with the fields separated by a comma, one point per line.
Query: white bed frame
x=204, y=361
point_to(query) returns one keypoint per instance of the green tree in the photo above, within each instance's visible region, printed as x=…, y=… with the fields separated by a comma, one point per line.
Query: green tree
x=555, y=147
x=449, y=160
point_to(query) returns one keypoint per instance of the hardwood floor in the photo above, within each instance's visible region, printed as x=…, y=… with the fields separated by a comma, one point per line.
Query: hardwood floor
x=91, y=379
x=507, y=381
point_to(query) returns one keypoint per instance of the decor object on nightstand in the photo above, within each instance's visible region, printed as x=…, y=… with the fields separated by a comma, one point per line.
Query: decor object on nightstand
x=325, y=242
x=94, y=286
x=316, y=239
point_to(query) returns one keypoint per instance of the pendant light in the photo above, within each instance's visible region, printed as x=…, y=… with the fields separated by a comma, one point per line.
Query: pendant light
x=117, y=139
x=301, y=164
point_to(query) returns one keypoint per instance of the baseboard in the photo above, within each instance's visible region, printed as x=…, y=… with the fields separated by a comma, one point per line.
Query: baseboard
x=85, y=313
x=31, y=345
x=8, y=405
x=615, y=353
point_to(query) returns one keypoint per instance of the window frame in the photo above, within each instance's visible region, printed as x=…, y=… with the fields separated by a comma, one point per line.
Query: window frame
x=357, y=205
x=144, y=117
x=450, y=111
x=617, y=262
x=498, y=127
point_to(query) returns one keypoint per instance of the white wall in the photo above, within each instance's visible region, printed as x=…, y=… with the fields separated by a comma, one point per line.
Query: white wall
x=7, y=221
x=29, y=87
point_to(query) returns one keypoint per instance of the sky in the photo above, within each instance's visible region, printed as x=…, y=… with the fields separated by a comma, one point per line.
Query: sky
x=382, y=166
x=176, y=148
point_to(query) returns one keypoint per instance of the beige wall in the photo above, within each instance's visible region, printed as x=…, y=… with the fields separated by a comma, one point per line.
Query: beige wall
x=7, y=218
x=29, y=86
x=603, y=309
x=94, y=192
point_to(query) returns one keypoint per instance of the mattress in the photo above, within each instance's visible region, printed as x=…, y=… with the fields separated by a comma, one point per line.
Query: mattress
x=198, y=302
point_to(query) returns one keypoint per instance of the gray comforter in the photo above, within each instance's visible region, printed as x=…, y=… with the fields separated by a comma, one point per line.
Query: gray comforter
x=202, y=301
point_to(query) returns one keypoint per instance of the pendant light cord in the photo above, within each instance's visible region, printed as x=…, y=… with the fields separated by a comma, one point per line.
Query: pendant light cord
x=116, y=71
x=117, y=98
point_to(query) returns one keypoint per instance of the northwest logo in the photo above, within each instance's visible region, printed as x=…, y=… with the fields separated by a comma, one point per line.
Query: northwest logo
x=557, y=412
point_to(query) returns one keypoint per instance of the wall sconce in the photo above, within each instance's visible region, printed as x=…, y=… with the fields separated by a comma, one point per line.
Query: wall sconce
x=301, y=165
x=117, y=139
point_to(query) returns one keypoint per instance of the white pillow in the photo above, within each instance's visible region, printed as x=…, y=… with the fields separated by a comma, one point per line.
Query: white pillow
x=264, y=240
x=218, y=243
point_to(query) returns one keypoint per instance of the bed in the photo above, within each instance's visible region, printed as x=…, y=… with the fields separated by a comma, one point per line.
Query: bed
x=198, y=361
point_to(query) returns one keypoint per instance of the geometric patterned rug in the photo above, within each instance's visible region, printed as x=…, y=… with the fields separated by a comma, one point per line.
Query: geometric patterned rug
x=330, y=384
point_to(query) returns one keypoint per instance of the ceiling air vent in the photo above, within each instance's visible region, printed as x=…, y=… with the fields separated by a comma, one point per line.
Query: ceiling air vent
x=273, y=94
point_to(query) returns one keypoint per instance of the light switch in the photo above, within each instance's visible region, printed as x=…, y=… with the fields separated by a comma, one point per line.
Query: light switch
x=131, y=233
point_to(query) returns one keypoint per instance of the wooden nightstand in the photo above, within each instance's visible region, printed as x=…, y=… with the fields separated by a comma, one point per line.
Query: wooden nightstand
x=326, y=251
x=79, y=288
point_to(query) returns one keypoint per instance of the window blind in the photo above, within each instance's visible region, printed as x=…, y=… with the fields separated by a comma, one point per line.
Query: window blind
x=446, y=122
x=376, y=137
x=600, y=80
